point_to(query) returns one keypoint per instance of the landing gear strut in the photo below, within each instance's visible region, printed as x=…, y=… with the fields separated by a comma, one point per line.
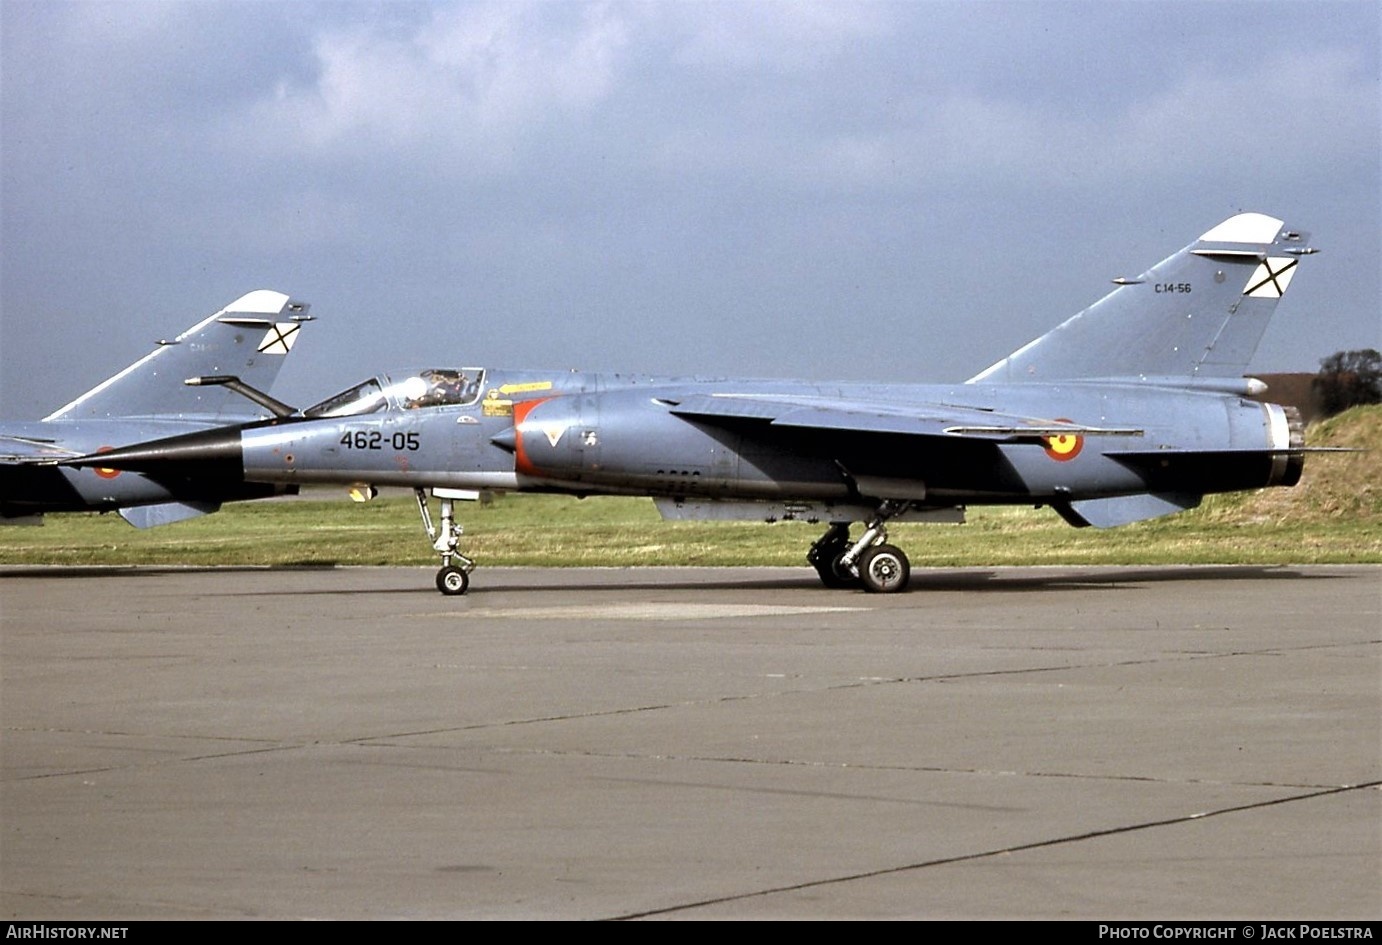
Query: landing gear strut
x=870, y=562
x=452, y=579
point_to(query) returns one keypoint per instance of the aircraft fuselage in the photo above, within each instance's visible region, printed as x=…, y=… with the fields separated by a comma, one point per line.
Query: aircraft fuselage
x=617, y=434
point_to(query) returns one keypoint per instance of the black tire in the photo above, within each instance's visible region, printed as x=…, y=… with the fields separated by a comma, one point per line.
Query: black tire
x=834, y=576
x=843, y=576
x=825, y=556
x=452, y=581
x=884, y=569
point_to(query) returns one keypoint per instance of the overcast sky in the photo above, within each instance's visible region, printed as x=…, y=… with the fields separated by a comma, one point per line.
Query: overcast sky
x=888, y=191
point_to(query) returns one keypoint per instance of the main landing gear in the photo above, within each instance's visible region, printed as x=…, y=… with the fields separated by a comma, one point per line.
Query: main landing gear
x=452, y=579
x=870, y=562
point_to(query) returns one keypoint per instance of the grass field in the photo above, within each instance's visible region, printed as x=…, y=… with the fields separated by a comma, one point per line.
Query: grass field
x=1333, y=516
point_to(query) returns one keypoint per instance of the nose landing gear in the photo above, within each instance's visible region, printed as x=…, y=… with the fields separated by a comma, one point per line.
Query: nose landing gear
x=452, y=579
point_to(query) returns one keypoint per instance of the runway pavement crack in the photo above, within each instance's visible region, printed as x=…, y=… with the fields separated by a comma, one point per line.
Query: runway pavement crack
x=251, y=749
x=986, y=854
x=833, y=687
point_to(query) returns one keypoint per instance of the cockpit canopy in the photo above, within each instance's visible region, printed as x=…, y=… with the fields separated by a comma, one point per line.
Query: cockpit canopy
x=430, y=387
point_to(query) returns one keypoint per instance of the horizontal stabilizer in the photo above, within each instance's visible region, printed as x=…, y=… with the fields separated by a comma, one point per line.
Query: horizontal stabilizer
x=1123, y=510
x=150, y=516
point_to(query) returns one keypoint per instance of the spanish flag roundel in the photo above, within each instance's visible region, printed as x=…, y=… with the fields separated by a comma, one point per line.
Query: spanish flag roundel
x=1065, y=446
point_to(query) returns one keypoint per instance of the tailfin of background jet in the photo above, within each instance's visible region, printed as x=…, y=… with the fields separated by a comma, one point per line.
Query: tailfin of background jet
x=249, y=339
x=1196, y=315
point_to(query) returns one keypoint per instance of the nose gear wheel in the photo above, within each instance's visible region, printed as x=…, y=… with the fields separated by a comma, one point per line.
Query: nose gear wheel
x=453, y=579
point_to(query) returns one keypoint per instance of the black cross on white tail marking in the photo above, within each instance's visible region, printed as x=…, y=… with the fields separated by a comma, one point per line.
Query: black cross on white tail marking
x=279, y=338
x=1271, y=278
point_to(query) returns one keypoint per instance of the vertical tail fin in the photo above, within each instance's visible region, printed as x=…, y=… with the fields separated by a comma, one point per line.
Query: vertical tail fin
x=249, y=338
x=1197, y=314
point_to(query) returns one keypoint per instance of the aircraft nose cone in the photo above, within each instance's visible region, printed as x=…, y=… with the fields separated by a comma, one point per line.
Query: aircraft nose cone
x=205, y=454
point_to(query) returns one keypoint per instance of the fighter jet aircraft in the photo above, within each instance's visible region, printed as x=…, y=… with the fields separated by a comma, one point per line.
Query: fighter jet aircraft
x=1134, y=408
x=248, y=340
